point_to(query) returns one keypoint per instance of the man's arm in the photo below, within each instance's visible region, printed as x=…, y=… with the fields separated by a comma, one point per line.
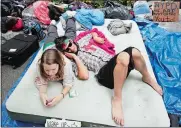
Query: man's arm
x=82, y=71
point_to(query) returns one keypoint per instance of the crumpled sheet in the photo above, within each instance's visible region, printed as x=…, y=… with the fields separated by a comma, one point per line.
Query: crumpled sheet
x=164, y=50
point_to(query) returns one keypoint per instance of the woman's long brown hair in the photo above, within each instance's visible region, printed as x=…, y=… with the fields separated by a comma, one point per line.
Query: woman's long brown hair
x=52, y=56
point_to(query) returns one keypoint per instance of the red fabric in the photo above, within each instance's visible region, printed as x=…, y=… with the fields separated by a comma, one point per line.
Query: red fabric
x=41, y=11
x=107, y=45
x=18, y=26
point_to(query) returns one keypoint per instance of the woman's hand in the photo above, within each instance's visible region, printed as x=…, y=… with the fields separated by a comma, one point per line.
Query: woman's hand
x=55, y=100
x=45, y=100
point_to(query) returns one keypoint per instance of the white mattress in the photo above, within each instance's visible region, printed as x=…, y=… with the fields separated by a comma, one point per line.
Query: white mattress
x=142, y=106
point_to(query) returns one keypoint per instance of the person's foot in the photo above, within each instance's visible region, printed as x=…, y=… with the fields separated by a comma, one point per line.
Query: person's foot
x=153, y=84
x=117, y=113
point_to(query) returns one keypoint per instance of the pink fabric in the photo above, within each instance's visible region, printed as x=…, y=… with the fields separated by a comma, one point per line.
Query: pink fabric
x=41, y=11
x=18, y=26
x=107, y=45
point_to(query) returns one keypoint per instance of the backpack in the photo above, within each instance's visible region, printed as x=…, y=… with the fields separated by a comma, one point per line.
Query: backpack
x=34, y=28
x=5, y=11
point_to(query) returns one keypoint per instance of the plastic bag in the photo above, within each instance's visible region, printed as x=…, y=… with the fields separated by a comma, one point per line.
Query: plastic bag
x=115, y=10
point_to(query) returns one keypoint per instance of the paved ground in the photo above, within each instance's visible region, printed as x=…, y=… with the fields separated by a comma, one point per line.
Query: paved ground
x=9, y=76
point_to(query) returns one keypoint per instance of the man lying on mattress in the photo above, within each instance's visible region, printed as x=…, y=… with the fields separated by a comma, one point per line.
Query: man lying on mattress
x=111, y=70
x=53, y=66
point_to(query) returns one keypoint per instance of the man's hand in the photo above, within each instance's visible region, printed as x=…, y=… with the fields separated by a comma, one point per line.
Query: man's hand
x=70, y=55
x=55, y=100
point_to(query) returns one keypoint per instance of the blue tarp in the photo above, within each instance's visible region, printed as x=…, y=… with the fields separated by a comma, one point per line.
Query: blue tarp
x=164, y=50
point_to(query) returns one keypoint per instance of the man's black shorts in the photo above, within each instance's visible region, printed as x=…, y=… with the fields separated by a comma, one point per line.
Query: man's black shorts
x=105, y=74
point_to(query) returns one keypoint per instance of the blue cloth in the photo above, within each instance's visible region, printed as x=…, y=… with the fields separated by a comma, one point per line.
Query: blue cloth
x=90, y=17
x=141, y=7
x=164, y=50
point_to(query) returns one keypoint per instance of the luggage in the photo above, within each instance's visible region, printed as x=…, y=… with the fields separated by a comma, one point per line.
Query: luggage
x=18, y=49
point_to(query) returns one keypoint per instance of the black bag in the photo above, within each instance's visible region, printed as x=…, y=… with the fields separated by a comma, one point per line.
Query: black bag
x=114, y=10
x=18, y=49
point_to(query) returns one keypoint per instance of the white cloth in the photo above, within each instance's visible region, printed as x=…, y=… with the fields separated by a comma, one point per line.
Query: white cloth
x=63, y=22
x=71, y=13
x=60, y=29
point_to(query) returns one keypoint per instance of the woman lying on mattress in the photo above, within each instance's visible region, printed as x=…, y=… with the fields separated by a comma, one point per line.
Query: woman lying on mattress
x=111, y=70
x=53, y=66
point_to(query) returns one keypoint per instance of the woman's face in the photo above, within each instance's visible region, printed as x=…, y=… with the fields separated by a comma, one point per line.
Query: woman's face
x=51, y=70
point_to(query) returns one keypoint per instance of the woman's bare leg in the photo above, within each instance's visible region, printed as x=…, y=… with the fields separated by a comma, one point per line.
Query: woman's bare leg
x=140, y=65
x=120, y=74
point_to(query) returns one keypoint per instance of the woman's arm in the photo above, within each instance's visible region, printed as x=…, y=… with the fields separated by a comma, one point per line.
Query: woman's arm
x=42, y=85
x=58, y=98
x=65, y=90
x=43, y=94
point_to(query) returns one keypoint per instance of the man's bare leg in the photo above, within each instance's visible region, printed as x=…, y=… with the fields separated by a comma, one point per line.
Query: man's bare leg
x=120, y=73
x=140, y=65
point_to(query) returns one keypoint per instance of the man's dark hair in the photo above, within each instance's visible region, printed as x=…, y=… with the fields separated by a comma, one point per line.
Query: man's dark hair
x=59, y=41
x=54, y=12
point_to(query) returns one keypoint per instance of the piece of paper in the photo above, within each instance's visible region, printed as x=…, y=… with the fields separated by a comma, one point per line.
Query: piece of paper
x=12, y=50
x=61, y=123
x=73, y=93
